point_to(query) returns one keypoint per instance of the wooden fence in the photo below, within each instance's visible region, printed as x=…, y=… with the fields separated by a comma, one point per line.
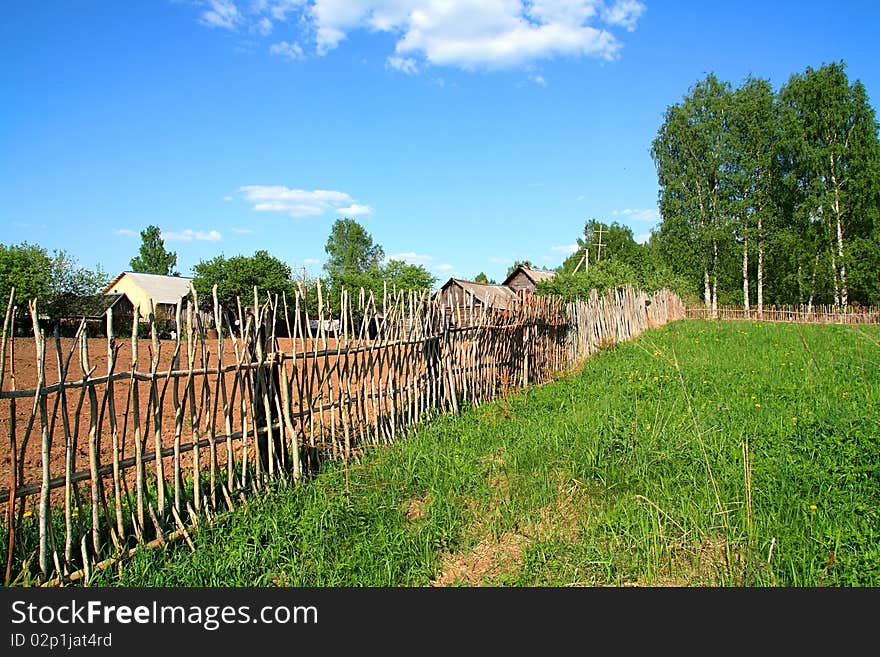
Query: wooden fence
x=803, y=314
x=120, y=443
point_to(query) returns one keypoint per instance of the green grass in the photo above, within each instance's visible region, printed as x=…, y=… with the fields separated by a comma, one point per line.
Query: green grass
x=702, y=454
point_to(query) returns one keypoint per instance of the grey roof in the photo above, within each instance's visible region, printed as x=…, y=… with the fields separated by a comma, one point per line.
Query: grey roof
x=534, y=274
x=497, y=296
x=162, y=289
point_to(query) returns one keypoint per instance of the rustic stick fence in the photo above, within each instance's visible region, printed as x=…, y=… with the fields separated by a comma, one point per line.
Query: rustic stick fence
x=802, y=314
x=133, y=444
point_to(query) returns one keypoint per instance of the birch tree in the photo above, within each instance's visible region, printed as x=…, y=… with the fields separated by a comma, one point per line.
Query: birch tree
x=835, y=132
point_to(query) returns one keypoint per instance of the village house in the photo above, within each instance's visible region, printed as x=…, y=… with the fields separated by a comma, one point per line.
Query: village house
x=165, y=292
x=526, y=279
x=457, y=292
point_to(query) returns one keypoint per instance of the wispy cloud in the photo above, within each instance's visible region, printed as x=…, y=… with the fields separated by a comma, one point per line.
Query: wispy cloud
x=467, y=34
x=301, y=202
x=242, y=231
x=624, y=13
x=411, y=257
x=125, y=232
x=403, y=64
x=188, y=235
x=647, y=214
x=291, y=51
x=221, y=13
x=567, y=249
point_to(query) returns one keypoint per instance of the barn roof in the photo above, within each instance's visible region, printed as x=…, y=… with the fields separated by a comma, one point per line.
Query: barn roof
x=533, y=274
x=497, y=296
x=162, y=289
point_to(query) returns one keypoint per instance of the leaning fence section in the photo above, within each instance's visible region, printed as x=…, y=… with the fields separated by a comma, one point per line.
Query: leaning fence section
x=119, y=443
x=806, y=314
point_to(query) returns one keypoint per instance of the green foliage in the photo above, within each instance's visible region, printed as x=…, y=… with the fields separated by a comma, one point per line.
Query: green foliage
x=351, y=250
x=237, y=276
x=788, y=179
x=355, y=262
x=27, y=268
x=61, y=286
x=518, y=263
x=403, y=276
x=485, y=280
x=602, y=276
x=152, y=257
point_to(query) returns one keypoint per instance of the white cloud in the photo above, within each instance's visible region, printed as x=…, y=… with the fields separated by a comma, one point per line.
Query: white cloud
x=565, y=248
x=444, y=267
x=624, y=13
x=642, y=238
x=301, y=202
x=403, y=64
x=264, y=26
x=411, y=257
x=227, y=198
x=468, y=34
x=292, y=51
x=538, y=79
x=312, y=261
x=647, y=214
x=125, y=232
x=242, y=231
x=355, y=210
x=188, y=235
x=221, y=13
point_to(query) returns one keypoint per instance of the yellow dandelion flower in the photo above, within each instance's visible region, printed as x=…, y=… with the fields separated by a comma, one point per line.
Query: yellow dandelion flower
x=28, y=514
x=813, y=507
x=794, y=419
x=757, y=406
x=754, y=398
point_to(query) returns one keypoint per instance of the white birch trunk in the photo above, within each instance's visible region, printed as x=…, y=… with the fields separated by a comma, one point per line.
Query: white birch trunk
x=760, y=269
x=746, y=276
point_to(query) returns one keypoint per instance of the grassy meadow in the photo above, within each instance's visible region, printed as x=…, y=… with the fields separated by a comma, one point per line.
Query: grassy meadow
x=702, y=454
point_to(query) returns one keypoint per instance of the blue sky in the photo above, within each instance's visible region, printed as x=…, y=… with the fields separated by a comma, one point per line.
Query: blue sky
x=463, y=135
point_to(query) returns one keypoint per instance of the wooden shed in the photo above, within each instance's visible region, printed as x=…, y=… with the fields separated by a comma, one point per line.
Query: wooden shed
x=525, y=279
x=164, y=291
x=457, y=292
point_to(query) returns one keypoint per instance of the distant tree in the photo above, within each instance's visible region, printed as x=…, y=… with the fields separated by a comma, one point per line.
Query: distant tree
x=403, y=276
x=27, y=268
x=74, y=289
x=482, y=278
x=835, y=159
x=351, y=250
x=518, y=263
x=614, y=242
x=60, y=285
x=153, y=258
x=237, y=276
x=692, y=160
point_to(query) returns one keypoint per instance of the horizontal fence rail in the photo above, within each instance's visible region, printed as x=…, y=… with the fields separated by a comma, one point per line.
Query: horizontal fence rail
x=804, y=314
x=118, y=443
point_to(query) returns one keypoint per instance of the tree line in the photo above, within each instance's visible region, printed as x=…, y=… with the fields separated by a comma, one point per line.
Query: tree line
x=766, y=197
x=355, y=261
x=772, y=196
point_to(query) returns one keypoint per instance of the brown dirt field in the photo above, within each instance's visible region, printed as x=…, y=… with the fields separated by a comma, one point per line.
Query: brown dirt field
x=21, y=353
